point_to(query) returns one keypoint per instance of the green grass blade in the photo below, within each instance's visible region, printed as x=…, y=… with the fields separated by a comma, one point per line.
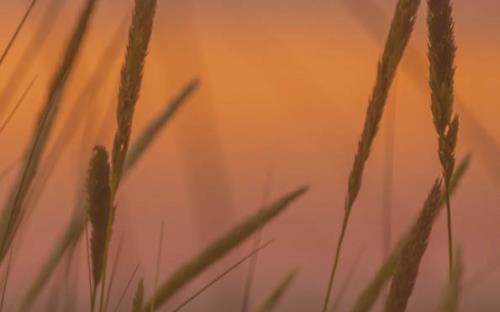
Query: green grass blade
x=219, y=248
x=149, y=134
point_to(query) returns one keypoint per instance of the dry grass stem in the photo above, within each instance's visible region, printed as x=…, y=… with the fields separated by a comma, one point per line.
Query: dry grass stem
x=399, y=35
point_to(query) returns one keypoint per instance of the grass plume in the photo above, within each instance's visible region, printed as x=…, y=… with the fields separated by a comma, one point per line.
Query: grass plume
x=215, y=251
x=272, y=301
x=99, y=205
x=442, y=70
x=130, y=85
x=397, y=40
x=131, y=82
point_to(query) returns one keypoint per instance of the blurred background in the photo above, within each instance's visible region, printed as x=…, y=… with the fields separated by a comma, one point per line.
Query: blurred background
x=284, y=89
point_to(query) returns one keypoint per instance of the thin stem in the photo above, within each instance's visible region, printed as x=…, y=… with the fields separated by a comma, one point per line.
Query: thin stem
x=336, y=262
x=450, y=231
x=256, y=243
x=158, y=259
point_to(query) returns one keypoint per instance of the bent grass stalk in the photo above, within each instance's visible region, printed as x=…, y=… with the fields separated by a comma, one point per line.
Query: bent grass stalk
x=215, y=251
x=397, y=40
x=140, y=32
x=442, y=70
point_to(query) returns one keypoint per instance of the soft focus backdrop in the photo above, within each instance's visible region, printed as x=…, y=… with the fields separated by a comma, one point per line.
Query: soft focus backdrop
x=284, y=90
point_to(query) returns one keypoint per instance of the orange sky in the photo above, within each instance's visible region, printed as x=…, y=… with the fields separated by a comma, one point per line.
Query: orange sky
x=284, y=90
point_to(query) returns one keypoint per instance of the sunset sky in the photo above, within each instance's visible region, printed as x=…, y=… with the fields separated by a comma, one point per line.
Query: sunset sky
x=284, y=89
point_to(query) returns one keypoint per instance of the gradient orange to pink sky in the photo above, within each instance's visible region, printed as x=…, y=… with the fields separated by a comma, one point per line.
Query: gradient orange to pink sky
x=284, y=88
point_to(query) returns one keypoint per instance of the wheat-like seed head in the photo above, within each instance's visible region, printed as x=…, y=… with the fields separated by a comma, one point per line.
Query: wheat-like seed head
x=441, y=56
x=99, y=204
x=131, y=81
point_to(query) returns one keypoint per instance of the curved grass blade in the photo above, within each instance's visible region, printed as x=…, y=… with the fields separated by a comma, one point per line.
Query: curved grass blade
x=219, y=248
x=149, y=134
x=220, y=276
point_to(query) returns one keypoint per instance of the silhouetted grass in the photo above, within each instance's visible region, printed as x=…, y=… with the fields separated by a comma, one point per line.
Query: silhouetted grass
x=399, y=35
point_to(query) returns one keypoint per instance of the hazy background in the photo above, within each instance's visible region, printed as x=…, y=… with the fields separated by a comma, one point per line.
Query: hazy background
x=284, y=90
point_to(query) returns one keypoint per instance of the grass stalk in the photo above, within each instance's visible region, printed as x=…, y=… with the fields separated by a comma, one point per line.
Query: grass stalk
x=441, y=55
x=130, y=85
x=397, y=40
